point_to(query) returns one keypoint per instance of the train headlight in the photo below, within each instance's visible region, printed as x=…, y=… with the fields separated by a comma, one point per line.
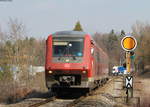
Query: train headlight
x=50, y=72
x=92, y=51
x=83, y=72
x=67, y=60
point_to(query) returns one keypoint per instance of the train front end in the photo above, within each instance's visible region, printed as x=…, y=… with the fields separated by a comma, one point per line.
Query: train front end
x=68, y=60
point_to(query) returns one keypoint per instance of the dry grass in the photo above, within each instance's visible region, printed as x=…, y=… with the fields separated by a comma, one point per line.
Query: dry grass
x=146, y=102
x=11, y=92
x=144, y=87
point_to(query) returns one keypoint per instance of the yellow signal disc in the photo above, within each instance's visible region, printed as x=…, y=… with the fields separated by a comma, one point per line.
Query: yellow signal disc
x=129, y=43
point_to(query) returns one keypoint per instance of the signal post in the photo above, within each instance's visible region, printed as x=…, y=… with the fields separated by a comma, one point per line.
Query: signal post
x=128, y=43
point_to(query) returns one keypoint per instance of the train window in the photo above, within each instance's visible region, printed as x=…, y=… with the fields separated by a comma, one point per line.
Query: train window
x=92, y=42
x=68, y=47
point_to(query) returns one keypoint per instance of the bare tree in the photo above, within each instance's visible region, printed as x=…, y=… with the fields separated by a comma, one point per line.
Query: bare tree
x=142, y=33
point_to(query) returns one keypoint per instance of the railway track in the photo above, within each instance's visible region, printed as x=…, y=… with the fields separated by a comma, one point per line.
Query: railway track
x=65, y=103
x=43, y=102
x=76, y=101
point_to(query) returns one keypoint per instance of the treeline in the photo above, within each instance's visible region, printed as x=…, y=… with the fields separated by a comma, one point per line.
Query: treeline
x=110, y=42
x=18, y=51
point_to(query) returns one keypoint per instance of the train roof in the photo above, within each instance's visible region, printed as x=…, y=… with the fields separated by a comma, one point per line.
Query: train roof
x=69, y=33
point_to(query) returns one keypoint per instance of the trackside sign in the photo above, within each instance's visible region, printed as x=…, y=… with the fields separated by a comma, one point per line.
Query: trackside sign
x=129, y=82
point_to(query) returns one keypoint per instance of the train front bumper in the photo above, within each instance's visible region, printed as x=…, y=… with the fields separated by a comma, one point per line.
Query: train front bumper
x=84, y=83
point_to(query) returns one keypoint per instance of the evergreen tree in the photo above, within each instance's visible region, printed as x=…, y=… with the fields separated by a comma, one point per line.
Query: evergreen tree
x=78, y=27
x=112, y=36
x=112, y=32
x=122, y=33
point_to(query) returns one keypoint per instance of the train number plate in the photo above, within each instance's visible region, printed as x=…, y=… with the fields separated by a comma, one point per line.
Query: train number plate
x=67, y=78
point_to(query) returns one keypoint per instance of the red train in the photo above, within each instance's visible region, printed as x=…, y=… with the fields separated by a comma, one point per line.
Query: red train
x=73, y=60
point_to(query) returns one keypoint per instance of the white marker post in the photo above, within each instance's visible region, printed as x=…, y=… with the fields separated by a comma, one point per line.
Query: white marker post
x=129, y=87
x=129, y=81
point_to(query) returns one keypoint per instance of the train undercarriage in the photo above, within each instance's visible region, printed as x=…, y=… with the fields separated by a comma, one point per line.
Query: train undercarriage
x=67, y=83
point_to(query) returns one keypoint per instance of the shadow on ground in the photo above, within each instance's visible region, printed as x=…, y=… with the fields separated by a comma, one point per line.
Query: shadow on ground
x=145, y=73
x=32, y=94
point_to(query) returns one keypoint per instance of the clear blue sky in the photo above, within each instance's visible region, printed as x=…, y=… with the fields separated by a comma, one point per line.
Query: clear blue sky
x=43, y=17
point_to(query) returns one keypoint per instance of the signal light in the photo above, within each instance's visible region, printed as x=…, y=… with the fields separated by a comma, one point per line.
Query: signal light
x=50, y=72
x=83, y=72
x=132, y=53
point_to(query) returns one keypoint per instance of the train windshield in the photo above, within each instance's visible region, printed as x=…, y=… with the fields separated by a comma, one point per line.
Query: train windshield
x=68, y=47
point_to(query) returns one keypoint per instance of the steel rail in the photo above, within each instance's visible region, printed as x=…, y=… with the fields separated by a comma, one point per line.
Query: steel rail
x=43, y=102
x=76, y=101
